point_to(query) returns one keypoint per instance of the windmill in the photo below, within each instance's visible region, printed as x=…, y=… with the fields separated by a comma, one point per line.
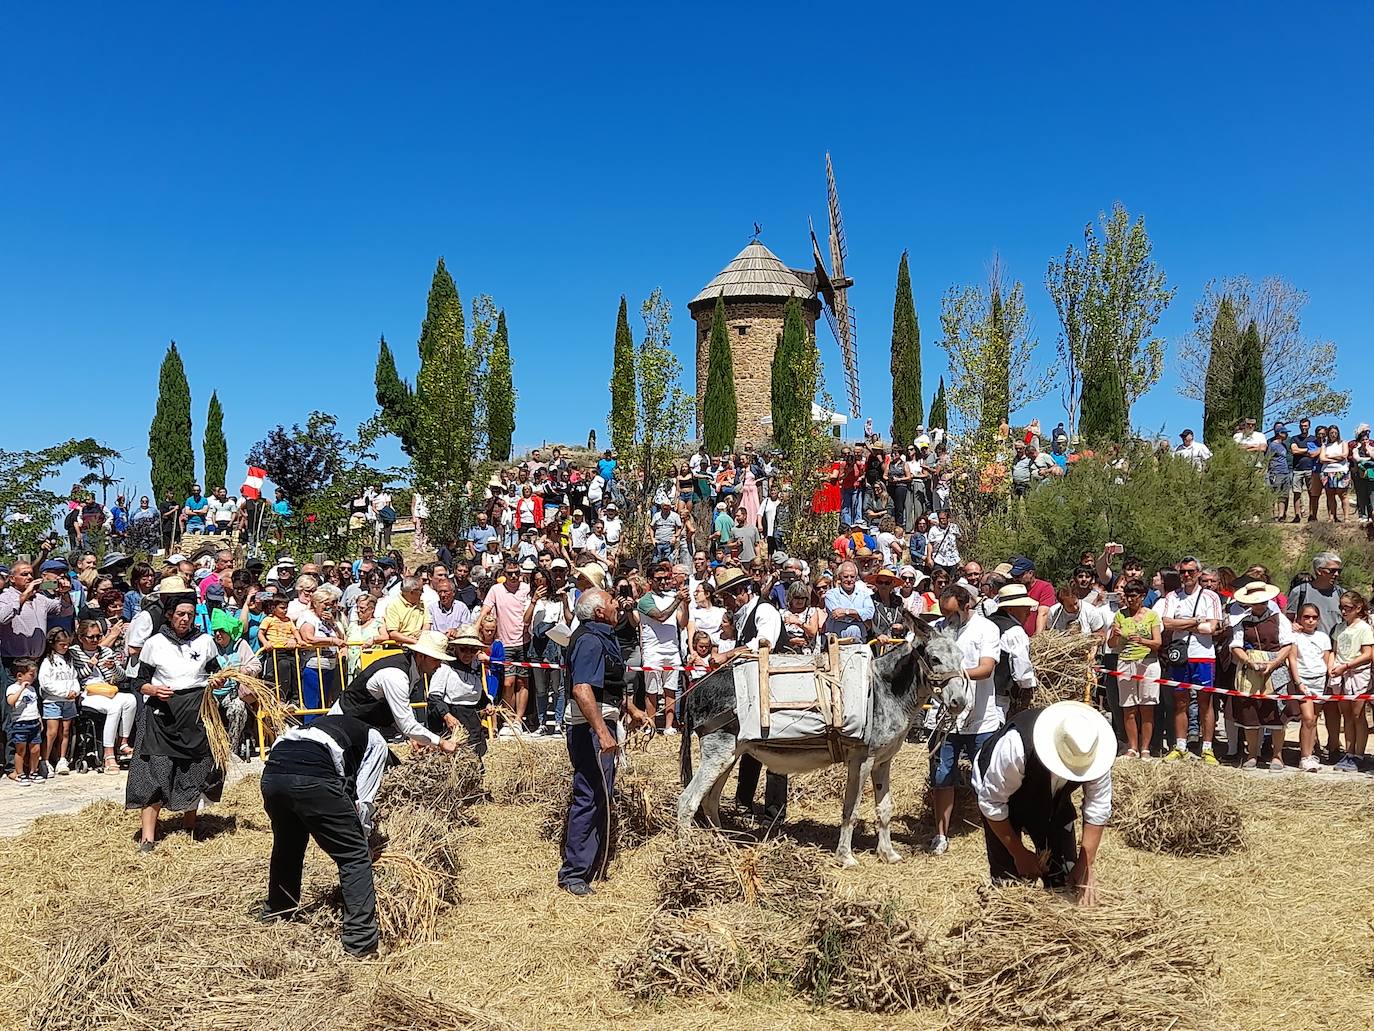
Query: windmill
x=833, y=288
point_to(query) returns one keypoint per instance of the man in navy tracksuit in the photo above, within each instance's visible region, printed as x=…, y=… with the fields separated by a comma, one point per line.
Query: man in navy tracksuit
x=596, y=672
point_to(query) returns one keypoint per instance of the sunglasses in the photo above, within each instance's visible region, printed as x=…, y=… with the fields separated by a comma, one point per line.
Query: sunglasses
x=90, y=637
x=1309, y=615
x=1135, y=594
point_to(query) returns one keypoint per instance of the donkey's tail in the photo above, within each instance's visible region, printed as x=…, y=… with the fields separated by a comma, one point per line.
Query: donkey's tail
x=684, y=748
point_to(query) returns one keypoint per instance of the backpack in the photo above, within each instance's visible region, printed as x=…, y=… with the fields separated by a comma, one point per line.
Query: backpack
x=386, y=515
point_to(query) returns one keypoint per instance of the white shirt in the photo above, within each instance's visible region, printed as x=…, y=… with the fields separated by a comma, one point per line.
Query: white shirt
x=978, y=639
x=612, y=528
x=1177, y=605
x=1285, y=630
x=394, y=686
x=1007, y=771
x=767, y=627
x=944, y=544
x=1255, y=439
x=180, y=665
x=596, y=545
x=1090, y=618
x=659, y=637
x=1312, y=649
x=1016, y=644
x=578, y=534
x=456, y=687
x=1197, y=452
x=708, y=621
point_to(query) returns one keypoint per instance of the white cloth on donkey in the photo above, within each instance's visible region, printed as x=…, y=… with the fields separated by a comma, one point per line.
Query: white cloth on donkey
x=796, y=713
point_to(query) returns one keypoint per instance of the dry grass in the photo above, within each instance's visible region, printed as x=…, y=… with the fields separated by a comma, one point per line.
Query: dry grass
x=706, y=868
x=1181, y=809
x=718, y=950
x=447, y=785
x=1062, y=666
x=182, y=947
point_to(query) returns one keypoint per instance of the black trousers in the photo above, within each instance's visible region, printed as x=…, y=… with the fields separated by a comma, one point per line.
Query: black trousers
x=1057, y=834
x=774, y=788
x=302, y=808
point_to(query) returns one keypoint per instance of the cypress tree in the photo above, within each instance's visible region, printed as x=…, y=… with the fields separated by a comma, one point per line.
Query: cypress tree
x=1247, y=382
x=719, y=410
x=447, y=429
x=215, y=448
x=395, y=398
x=500, y=395
x=790, y=399
x=169, y=438
x=1218, y=407
x=939, y=409
x=1102, y=418
x=996, y=407
x=907, y=413
x=623, y=413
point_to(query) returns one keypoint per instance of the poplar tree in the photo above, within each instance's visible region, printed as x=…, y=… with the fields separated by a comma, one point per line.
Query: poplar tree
x=623, y=414
x=907, y=412
x=500, y=395
x=215, y=448
x=1247, y=379
x=395, y=398
x=1218, y=408
x=169, y=438
x=719, y=409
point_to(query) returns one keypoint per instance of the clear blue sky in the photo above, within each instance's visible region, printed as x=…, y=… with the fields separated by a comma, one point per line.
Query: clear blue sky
x=271, y=187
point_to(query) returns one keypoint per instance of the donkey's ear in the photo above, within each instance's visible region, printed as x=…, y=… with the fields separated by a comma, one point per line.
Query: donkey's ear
x=888, y=665
x=922, y=628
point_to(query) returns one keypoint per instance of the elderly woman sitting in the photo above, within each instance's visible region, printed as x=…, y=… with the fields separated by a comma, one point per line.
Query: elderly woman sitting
x=100, y=673
x=321, y=638
x=232, y=697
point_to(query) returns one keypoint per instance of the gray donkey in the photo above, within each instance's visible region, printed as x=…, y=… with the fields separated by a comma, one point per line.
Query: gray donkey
x=903, y=679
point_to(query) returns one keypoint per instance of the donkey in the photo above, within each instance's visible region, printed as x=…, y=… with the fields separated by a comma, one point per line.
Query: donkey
x=903, y=679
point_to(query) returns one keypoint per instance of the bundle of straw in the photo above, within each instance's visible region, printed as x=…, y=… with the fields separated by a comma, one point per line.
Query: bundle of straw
x=1182, y=809
x=276, y=715
x=1062, y=660
x=1031, y=958
x=525, y=772
x=444, y=784
x=705, y=869
x=716, y=951
x=864, y=954
x=641, y=809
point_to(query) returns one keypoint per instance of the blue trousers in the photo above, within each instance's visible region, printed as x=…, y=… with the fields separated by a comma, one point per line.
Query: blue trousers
x=851, y=506
x=584, y=845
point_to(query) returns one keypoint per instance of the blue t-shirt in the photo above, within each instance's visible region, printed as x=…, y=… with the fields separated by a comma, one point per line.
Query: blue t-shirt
x=1060, y=460
x=282, y=508
x=479, y=535
x=605, y=468
x=198, y=504
x=1278, y=458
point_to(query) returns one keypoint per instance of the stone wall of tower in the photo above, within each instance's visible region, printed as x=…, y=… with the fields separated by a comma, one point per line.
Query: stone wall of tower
x=754, y=330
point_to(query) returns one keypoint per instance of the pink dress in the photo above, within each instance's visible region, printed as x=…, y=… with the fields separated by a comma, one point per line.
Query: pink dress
x=749, y=497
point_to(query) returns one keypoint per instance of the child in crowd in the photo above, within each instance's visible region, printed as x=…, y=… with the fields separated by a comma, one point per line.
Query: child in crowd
x=59, y=686
x=703, y=656
x=274, y=632
x=1137, y=634
x=1308, y=666
x=26, y=730
x=1354, y=648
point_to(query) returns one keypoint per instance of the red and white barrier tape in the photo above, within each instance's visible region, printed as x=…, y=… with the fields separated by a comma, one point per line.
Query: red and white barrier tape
x=558, y=665
x=1140, y=678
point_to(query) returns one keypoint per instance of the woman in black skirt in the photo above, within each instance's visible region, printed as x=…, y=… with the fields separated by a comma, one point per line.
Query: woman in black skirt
x=172, y=765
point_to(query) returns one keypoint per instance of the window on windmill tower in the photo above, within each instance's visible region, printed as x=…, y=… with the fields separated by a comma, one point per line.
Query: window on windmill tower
x=742, y=329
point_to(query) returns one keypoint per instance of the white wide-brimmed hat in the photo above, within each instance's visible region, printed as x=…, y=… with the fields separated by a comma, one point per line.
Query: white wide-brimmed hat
x=1074, y=741
x=1014, y=596
x=1255, y=592
x=431, y=643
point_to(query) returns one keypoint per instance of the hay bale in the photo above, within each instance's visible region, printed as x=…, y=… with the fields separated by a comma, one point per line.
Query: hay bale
x=864, y=954
x=521, y=772
x=1031, y=958
x=1062, y=663
x=706, y=869
x=716, y=951
x=444, y=784
x=1180, y=809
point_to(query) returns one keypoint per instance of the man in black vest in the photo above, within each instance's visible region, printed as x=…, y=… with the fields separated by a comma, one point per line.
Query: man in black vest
x=596, y=672
x=1025, y=777
x=382, y=695
x=756, y=620
x=1014, y=677
x=320, y=782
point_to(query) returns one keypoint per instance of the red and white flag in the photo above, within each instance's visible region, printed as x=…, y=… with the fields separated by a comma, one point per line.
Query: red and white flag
x=252, y=483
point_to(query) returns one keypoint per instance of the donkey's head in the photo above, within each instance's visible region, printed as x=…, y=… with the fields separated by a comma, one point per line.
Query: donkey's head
x=915, y=670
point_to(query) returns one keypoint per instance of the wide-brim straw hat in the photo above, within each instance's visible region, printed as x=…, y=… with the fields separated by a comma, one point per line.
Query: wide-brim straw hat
x=467, y=635
x=1014, y=596
x=593, y=574
x=1255, y=592
x=433, y=644
x=1074, y=741
x=171, y=585
x=730, y=578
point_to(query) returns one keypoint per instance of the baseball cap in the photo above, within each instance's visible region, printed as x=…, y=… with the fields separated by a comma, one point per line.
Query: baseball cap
x=1020, y=565
x=53, y=565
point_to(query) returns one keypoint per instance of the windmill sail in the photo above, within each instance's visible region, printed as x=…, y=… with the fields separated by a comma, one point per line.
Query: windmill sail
x=841, y=318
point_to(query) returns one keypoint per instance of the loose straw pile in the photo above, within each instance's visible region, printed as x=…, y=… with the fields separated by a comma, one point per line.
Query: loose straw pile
x=706, y=869
x=1062, y=660
x=1182, y=809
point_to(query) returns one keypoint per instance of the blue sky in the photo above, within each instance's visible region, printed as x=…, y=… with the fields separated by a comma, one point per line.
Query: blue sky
x=271, y=187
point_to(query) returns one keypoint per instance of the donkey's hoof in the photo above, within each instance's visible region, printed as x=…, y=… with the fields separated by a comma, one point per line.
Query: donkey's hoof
x=847, y=860
x=891, y=856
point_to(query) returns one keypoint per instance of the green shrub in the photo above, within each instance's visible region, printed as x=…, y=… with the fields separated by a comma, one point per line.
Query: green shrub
x=1159, y=507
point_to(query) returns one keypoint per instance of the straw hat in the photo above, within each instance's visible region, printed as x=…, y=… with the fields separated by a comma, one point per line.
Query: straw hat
x=1074, y=741
x=1014, y=596
x=433, y=644
x=593, y=574
x=1256, y=591
x=467, y=635
x=731, y=578
x=172, y=585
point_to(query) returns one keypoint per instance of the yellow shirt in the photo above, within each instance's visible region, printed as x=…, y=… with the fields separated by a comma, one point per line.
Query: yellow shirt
x=276, y=633
x=405, y=618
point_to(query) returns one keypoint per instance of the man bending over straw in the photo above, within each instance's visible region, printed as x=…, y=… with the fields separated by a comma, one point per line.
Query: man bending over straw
x=1025, y=777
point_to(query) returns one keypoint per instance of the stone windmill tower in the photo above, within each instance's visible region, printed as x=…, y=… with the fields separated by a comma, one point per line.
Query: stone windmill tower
x=755, y=286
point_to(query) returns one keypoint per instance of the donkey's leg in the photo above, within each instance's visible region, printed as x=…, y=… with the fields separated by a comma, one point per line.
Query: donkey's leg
x=853, y=790
x=717, y=756
x=710, y=805
x=882, y=802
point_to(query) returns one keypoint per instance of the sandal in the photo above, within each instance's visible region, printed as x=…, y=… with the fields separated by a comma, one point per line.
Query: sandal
x=1131, y=753
x=111, y=765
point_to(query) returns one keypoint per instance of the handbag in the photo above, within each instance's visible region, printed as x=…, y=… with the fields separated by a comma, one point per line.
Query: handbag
x=1176, y=651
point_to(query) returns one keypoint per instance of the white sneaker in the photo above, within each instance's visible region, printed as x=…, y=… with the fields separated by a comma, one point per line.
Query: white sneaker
x=1310, y=765
x=505, y=733
x=939, y=845
x=671, y=731
x=62, y=768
